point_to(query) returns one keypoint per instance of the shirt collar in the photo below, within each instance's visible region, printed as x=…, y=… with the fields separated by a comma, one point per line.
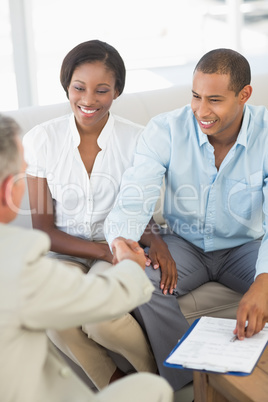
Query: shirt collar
x=243, y=133
x=106, y=132
x=74, y=131
x=103, y=137
x=242, y=138
x=203, y=138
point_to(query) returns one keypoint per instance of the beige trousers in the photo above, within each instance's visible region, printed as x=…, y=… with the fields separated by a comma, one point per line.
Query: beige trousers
x=88, y=346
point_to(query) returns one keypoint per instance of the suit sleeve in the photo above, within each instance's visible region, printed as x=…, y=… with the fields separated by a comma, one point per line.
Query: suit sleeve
x=53, y=295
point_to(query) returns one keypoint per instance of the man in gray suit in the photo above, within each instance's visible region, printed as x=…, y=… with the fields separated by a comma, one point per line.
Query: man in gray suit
x=37, y=293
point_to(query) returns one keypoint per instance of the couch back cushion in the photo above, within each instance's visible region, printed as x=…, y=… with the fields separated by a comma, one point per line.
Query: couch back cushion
x=139, y=107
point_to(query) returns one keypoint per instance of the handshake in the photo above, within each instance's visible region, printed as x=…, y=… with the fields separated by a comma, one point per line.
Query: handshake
x=126, y=249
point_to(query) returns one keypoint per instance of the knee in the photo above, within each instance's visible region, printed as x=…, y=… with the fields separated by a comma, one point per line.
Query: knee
x=108, y=330
x=154, y=275
x=99, y=267
x=158, y=386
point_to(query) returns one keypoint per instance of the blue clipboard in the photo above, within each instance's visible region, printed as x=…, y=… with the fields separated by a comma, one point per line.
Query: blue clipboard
x=181, y=367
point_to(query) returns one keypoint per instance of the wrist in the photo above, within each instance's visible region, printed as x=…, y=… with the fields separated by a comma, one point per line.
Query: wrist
x=151, y=234
x=261, y=281
x=258, y=288
x=103, y=252
x=148, y=238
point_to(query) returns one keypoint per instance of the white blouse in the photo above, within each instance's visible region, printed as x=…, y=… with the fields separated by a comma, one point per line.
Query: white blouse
x=81, y=202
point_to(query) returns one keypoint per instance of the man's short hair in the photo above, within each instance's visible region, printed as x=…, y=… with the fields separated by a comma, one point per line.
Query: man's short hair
x=10, y=159
x=227, y=61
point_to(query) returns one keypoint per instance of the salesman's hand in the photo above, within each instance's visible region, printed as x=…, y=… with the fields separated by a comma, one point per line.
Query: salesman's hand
x=161, y=258
x=253, y=308
x=126, y=249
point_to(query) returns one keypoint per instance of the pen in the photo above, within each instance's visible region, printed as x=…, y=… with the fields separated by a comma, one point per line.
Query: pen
x=235, y=337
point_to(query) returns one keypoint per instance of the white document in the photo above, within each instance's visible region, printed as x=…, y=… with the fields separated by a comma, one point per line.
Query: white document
x=210, y=346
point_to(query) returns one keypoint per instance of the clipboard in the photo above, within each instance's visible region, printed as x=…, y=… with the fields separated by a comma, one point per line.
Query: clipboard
x=202, y=369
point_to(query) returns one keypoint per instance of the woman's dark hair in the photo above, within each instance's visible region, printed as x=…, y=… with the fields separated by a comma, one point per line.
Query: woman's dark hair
x=89, y=52
x=227, y=61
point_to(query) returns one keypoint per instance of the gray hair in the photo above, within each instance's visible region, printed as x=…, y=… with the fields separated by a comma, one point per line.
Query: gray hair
x=10, y=159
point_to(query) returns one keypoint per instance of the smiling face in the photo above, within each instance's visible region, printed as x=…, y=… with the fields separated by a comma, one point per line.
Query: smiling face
x=91, y=93
x=216, y=108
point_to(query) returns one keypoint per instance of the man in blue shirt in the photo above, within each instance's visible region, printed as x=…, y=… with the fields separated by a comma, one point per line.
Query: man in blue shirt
x=214, y=157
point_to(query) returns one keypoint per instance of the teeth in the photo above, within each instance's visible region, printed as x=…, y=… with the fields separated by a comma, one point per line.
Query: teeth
x=87, y=111
x=206, y=123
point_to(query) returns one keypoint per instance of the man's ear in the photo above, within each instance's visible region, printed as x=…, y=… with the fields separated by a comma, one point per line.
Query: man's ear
x=5, y=190
x=245, y=93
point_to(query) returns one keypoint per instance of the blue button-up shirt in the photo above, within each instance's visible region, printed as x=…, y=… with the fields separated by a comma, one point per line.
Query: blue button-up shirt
x=213, y=209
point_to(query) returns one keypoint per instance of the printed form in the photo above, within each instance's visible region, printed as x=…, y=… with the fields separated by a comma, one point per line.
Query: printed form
x=210, y=346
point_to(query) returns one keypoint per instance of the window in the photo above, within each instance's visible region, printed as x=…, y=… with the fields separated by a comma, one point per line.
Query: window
x=8, y=92
x=158, y=41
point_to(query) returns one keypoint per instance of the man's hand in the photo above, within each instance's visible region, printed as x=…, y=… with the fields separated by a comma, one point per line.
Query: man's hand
x=161, y=258
x=126, y=249
x=253, y=308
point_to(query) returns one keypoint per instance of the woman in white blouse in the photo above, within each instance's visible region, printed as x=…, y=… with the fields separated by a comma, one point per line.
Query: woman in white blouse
x=75, y=165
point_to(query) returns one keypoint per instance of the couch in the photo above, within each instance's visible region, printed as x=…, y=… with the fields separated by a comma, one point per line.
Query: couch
x=211, y=298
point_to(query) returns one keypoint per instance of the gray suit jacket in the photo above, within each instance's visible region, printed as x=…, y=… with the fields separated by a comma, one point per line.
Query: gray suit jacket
x=37, y=293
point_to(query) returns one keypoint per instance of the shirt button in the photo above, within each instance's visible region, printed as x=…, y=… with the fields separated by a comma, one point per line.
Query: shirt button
x=65, y=372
